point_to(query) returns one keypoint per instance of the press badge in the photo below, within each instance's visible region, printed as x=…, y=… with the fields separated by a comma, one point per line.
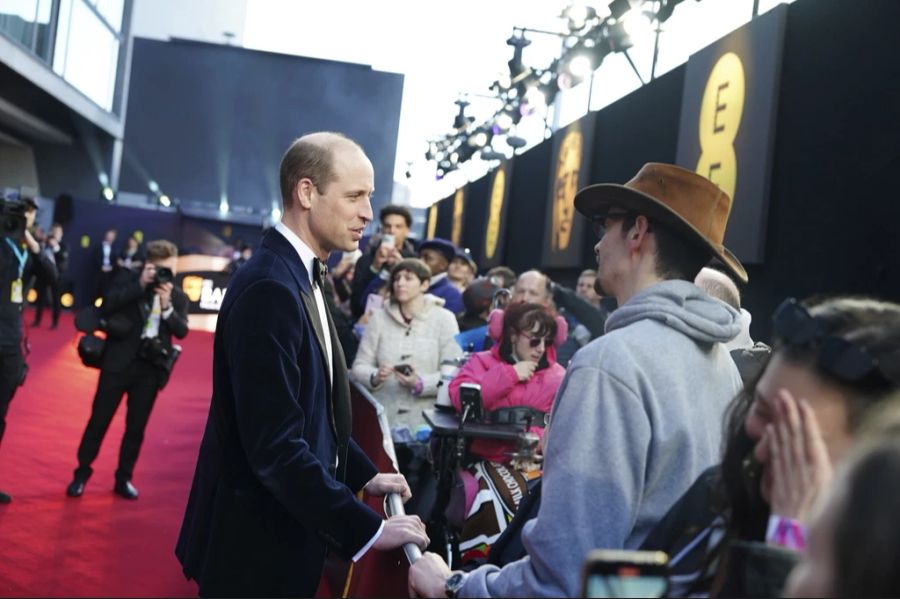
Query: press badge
x=15, y=294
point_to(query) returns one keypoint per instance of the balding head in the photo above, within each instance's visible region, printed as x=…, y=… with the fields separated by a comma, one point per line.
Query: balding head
x=533, y=286
x=312, y=157
x=720, y=286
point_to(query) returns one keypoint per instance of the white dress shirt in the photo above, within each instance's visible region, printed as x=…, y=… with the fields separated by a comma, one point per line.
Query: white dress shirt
x=307, y=256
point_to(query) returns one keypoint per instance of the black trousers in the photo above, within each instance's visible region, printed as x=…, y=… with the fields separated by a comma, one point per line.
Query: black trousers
x=141, y=381
x=11, y=364
x=47, y=291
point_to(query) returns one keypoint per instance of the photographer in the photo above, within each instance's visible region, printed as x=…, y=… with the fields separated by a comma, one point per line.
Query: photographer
x=137, y=362
x=19, y=252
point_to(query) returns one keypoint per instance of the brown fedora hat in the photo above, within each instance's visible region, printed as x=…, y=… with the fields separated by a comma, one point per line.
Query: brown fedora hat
x=681, y=199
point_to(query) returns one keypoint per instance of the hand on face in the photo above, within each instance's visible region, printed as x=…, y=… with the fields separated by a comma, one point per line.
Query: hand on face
x=798, y=459
x=525, y=370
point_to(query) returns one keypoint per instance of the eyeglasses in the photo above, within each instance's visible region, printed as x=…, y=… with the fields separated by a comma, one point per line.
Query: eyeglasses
x=842, y=359
x=599, y=223
x=535, y=341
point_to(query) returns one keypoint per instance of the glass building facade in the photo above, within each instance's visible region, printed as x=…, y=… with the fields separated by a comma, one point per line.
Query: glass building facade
x=79, y=39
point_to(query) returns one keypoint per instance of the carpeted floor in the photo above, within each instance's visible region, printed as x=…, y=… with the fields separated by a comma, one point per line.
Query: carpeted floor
x=98, y=545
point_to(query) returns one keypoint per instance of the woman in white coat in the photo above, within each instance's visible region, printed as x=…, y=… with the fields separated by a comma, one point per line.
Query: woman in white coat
x=400, y=354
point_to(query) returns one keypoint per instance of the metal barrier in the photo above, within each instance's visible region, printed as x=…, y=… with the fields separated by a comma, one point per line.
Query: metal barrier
x=393, y=503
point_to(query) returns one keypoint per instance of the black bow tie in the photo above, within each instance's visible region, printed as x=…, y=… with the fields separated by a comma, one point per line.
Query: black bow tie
x=319, y=270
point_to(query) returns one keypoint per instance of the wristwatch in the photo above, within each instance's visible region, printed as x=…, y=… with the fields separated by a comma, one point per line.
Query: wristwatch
x=454, y=584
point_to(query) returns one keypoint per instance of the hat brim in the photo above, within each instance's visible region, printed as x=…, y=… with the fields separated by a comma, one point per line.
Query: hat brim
x=597, y=198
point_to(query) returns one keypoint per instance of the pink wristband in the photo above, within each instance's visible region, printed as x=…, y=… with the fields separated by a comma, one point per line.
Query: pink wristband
x=786, y=532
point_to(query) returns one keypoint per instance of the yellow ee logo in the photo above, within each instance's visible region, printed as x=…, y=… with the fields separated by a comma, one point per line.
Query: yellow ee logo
x=432, y=221
x=720, y=118
x=192, y=287
x=568, y=166
x=496, y=207
x=456, y=234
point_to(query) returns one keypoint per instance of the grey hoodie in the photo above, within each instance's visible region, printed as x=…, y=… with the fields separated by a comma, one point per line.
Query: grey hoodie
x=636, y=420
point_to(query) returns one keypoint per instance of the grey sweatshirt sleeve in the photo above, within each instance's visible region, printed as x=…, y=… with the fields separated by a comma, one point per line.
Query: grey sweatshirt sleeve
x=595, y=458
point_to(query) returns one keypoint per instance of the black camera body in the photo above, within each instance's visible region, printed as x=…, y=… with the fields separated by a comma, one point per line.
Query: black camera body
x=12, y=218
x=154, y=351
x=163, y=275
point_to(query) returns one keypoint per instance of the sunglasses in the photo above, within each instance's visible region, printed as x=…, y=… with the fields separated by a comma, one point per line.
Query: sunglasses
x=602, y=221
x=840, y=358
x=535, y=341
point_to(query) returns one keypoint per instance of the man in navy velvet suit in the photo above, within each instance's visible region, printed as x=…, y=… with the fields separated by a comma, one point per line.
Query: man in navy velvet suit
x=277, y=473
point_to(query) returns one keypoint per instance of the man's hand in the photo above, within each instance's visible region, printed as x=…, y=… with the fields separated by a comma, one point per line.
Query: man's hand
x=525, y=369
x=33, y=246
x=388, y=482
x=428, y=576
x=381, y=256
x=164, y=292
x=400, y=530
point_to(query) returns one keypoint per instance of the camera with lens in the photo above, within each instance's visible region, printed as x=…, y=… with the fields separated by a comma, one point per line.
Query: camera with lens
x=154, y=351
x=163, y=275
x=12, y=218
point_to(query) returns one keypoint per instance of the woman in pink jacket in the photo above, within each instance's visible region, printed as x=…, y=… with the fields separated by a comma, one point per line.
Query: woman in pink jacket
x=519, y=371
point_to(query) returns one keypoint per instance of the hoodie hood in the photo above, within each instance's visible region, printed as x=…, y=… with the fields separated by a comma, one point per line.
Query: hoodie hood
x=682, y=306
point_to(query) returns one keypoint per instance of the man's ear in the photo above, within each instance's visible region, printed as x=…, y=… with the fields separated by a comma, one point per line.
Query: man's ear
x=303, y=193
x=639, y=231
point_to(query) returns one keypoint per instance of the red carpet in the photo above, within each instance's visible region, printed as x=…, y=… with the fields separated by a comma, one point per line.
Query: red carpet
x=100, y=544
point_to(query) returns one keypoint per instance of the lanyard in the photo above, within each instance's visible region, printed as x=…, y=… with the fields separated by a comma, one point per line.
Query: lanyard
x=21, y=255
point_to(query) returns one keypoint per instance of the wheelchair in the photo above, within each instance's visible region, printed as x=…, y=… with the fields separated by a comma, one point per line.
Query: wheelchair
x=451, y=436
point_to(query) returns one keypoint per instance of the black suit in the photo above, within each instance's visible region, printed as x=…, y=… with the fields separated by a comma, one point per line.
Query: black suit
x=122, y=371
x=268, y=499
x=49, y=286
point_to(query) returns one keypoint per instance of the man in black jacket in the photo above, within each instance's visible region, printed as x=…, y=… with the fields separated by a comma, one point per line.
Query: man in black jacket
x=136, y=362
x=47, y=285
x=18, y=257
x=382, y=255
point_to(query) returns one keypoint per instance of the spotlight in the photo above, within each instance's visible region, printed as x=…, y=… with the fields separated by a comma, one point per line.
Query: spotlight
x=164, y=200
x=516, y=66
x=275, y=212
x=223, y=204
x=98, y=302
x=67, y=300
x=617, y=37
x=580, y=66
x=107, y=193
x=462, y=121
x=618, y=8
x=516, y=142
x=479, y=140
x=153, y=186
x=504, y=121
x=535, y=98
x=490, y=153
x=578, y=16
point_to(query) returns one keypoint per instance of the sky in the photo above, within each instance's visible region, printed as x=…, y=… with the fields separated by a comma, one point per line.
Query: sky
x=453, y=47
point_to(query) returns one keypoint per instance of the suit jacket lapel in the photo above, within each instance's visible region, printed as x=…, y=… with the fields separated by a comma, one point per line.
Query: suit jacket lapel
x=340, y=399
x=309, y=301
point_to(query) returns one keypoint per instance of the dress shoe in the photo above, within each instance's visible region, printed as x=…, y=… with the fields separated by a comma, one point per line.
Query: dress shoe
x=76, y=488
x=125, y=489
x=5, y=497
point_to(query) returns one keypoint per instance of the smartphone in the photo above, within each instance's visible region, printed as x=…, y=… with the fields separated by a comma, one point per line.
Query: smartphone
x=470, y=397
x=388, y=239
x=617, y=573
x=404, y=369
